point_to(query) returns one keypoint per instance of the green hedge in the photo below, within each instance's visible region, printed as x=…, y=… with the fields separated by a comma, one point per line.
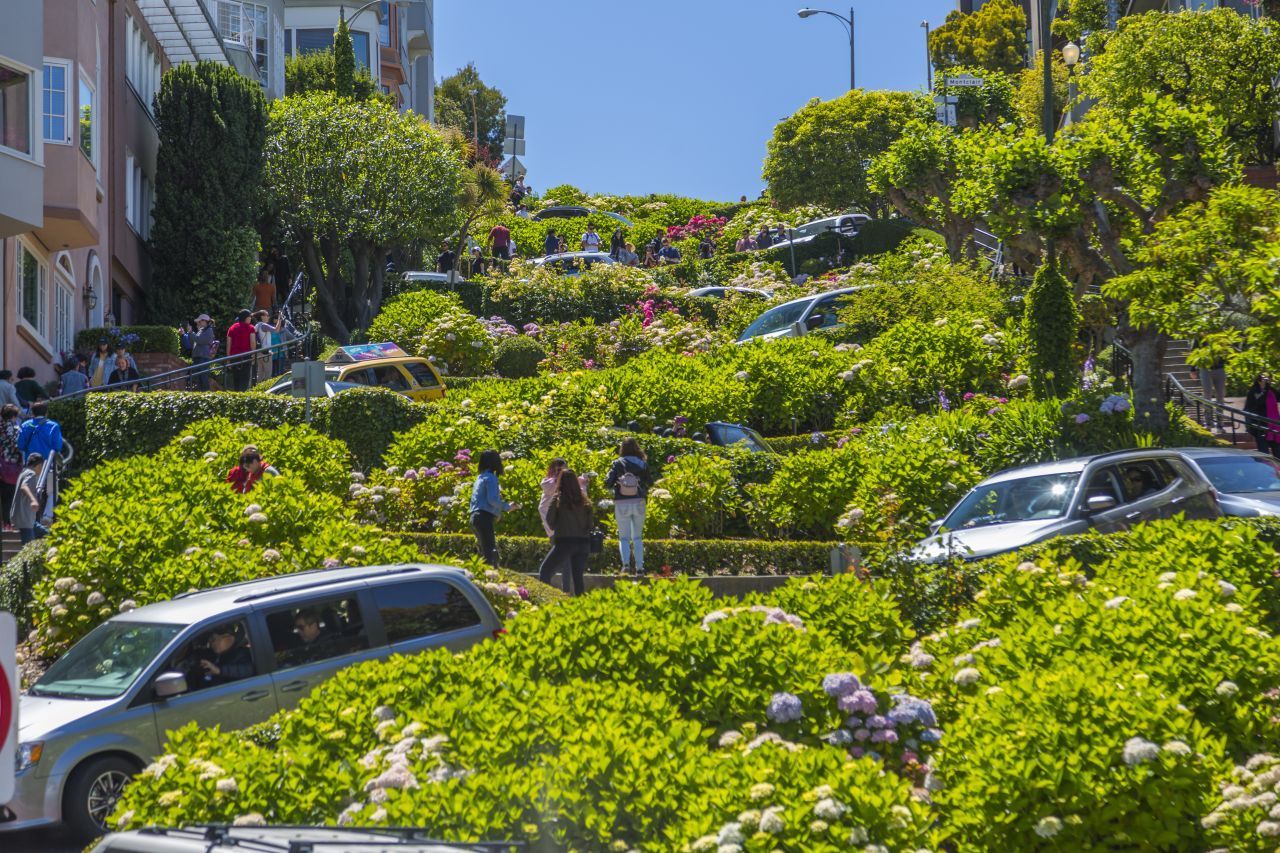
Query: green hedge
x=17, y=578
x=113, y=426
x=149, y=338
x=683, y=556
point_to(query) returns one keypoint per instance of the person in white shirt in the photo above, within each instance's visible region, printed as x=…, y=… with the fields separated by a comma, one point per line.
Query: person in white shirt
x=591, y=240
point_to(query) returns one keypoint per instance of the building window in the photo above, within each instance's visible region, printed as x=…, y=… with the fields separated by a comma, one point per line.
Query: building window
x=384, y=24
x=142, y=65
x=57, y=101
x=15, y=108
x=64, y=332
x=314, y=40
x=249, y=25
x=138, y=196
x=88, y=121
x=33, y=289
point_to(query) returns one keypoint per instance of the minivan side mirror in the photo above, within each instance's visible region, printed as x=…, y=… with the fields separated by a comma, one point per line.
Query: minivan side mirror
x=169, y=684
x=935, y=526
x=1100, y=503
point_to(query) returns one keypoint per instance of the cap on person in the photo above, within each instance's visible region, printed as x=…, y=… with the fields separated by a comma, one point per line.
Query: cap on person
x=204, y=317
x=243, y=315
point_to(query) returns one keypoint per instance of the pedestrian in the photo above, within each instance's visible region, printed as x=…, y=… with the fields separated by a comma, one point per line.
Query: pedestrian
x=446, y=259
x=563, y=247
x=101, y=364
x=1259, y=406
x=202, y=341
x=284, y=274
x=10, y=458
x=487, y=505
x=629, y=478
x=24, y=511
x=1213, y=385
x=264, y=331
x=650, y=259
x=73, y=380
x=781, y=235
x=616, y=242
x=264, y=292
x=124, y=377
x=29, y=390
x=668, y=254
x=627, y=255
x=744, y=243
x=477, y=262
x=706, y=248
x=551, y=243
x=764, y=239
x=40, y=434
x=549, y=484
x=184, y=339
x=122, y=351
x=9, y=394
x=590, y=240
x=240, y=337
x=251, y=469
x=522, y=211
x=570, y=519
x=500, y=242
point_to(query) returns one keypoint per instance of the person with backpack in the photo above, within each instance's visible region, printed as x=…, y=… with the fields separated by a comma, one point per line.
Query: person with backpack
x=487, y=506
x=24, y=511
x=569, y=517
x=629, y=478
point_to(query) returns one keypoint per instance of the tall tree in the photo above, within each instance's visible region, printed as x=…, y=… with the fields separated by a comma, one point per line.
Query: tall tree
x=464, y=101
x=1051, y=321
x=820, y=154
x=344, y=61
x=314, y=72
x=1219, y=59
x=212, y=126
x=352, y=180
x=994, y=37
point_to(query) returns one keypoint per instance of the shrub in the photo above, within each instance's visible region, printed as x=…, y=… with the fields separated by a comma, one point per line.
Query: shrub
x=436, y=327
x=162, y=339
x=368, y=420
x=1242, y=817
x=694, y=497
x=518, y=357
x=807, y=494
x=1050, y=328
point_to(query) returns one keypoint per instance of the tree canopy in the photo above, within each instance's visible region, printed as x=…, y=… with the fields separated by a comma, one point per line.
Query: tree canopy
x=479, y=111
x=1219, y=59
x=314, y=72
x=212, y=125
x=819, y=155
x=994, y=37
x=356, y=177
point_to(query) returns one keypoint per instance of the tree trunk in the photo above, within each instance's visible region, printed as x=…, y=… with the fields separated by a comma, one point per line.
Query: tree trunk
x=360, y=315
x=1147, y=348
x=327, y=276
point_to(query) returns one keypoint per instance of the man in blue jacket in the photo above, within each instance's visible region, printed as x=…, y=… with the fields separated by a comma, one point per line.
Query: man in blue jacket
x=44, y=436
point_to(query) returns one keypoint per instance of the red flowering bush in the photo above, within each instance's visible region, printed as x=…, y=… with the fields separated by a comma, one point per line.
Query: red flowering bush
x=697, y=226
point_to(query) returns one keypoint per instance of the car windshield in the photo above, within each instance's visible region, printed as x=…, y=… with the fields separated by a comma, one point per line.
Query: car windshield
x=811, y=229
x=774, y=320
x=1234, y=474
x=732, y=434
x=106, y=662
x=1024, y=499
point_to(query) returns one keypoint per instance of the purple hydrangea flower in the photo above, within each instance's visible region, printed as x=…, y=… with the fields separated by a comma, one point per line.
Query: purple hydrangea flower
x=884, y=736
x=879, y=722
x=931, y=735
x=839, y=684
x=785, y=708
x=861, y=734
x=861, y=701
x=1082, y=418
x=909, y=709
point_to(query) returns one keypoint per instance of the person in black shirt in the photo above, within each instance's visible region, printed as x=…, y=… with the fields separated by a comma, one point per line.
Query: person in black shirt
x=551, y=244
x=221, y=658
x=445, y=262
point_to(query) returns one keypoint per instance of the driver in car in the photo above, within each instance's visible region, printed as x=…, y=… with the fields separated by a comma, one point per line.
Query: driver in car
x=224, y=658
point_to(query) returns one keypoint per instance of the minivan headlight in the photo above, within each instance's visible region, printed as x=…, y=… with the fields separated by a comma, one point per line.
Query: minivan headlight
x=28, y=755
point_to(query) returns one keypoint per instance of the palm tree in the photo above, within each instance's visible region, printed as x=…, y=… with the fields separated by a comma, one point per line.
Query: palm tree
x=483, y=193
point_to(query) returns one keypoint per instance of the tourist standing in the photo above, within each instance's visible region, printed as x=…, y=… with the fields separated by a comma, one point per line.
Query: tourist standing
x=487, y=505
x=500, y=242
x=264, y=331
x=74, y=381
x=616, y=242
x=764, y=239
x=240, y=337
x=629, y=478
x=706, y=248
x=1213, y=385
x=569, y=517
x=283, y=274
x=744, y=243
x=124, y=377
x=590, y=240
x=29, y=390
x=9, y=394
x=668, y=254
x=202, y=342
x=551, y=243
x=446, y=259
x=10, y=458
x=264, y=292
x=101, y=365
x=1259, y=405
x=24, y=511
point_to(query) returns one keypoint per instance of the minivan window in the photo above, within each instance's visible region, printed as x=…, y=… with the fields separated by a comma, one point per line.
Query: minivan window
x=219, y=655
x=107, y=661
x=422, y=608
x=316, y=631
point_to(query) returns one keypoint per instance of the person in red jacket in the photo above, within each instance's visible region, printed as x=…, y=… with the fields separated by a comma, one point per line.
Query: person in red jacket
x=251, y=469
x=240, y=340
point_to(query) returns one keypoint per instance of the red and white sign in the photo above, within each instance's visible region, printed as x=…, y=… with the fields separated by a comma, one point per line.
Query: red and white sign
x=8, y=703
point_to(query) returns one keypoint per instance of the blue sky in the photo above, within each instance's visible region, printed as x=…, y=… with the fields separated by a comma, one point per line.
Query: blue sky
x=666, y=96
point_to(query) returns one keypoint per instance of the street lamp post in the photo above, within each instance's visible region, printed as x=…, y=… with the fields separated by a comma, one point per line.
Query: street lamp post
x=1046, y=59
x=928, y=59
x=1071, y=55
x=399, y=4
x=848, y=25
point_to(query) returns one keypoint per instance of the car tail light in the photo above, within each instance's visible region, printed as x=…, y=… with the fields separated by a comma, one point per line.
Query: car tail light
x=498, y=632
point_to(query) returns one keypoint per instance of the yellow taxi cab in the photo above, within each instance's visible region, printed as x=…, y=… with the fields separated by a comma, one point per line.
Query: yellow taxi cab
x=385, y=366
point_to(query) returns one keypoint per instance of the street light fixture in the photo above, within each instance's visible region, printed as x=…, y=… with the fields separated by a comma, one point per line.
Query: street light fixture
x=1070, y=56
x=848, y=25
x=399, y=4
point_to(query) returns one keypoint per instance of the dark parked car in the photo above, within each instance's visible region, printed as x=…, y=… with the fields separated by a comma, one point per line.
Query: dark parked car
x=1107, y=493
x=1248, y=482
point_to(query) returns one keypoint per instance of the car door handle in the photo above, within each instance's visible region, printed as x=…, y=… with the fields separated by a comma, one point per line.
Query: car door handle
x=255, y=695
x=1133, y=515
x=1178, y=499
x=292, y=686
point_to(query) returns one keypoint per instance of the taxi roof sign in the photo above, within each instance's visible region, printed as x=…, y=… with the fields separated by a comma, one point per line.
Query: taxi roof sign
x=366, y=352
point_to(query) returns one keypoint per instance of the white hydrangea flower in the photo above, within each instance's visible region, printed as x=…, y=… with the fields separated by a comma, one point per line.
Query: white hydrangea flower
x=1177, y=747
x=1226, y=688
x=772, y=821
x=1113, y=603
x=966, y=676
x=1184, y=594
x=1048, y=827
x=226, y=786
x=1139, y=750
x=829, y=809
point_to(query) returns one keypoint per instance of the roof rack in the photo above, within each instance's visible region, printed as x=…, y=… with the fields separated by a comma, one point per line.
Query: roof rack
x=383, y=571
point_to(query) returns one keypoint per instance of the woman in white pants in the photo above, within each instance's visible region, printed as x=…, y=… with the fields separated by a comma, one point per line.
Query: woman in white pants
x=629, y=478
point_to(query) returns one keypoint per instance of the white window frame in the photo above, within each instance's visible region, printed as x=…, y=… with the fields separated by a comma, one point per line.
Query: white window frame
x=64, y=302
x=35, y=112
x=69, y=98
x=95, y=132
x=42, y=293
x=130, y=191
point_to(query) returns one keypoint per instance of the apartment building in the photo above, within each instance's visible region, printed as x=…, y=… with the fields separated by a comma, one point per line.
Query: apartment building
x=78, y=146
x=393, y=41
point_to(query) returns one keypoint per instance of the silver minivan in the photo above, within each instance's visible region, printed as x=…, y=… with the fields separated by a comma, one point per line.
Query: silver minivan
x=230, y=656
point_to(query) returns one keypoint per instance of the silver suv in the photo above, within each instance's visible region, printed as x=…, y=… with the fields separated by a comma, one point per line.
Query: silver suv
x=1106, y=493
x=230, y=656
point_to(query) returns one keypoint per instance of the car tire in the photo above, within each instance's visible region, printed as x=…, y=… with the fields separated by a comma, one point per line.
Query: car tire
x=92, y=793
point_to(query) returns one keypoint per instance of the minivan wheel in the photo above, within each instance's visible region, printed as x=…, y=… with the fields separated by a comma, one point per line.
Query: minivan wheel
x=92, y=794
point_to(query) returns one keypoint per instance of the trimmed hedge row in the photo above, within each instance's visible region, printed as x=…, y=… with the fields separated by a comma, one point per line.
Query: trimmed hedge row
x=683, y=556
x=18, y=577
x=116, y=425
x=149, y=338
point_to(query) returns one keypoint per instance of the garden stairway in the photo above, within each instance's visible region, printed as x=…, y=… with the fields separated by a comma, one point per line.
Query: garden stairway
x=10, y=544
